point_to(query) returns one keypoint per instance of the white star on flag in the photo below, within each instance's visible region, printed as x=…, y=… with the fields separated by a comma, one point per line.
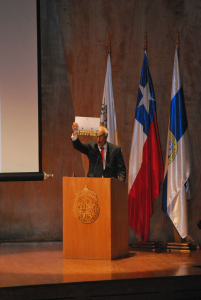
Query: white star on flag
x=146, y=96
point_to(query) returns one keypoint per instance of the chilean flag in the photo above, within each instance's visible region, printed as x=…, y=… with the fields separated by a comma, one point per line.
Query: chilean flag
x=145, y=163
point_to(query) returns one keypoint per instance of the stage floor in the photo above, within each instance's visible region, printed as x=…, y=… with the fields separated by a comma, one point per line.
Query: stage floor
x=23, y=264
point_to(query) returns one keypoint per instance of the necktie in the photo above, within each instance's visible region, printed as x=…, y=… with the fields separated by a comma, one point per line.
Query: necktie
x=102, y=154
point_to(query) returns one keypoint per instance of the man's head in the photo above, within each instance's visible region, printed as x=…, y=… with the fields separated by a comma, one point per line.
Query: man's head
x=101, y=138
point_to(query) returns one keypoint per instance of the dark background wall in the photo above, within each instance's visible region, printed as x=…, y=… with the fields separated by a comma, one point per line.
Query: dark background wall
x=74, y=54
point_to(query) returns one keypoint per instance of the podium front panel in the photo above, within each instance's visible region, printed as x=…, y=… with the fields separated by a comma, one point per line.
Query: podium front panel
x=107, y=236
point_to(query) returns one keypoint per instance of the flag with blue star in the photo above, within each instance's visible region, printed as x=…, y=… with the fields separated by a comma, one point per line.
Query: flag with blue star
x=145, y=163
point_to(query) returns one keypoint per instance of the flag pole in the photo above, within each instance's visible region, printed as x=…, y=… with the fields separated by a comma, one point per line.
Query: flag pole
x=177, y=236
x=109, y=44
x=145, y=41
x=177, y=40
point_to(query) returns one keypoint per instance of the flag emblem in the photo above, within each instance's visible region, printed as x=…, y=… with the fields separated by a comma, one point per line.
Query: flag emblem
x=172, y=147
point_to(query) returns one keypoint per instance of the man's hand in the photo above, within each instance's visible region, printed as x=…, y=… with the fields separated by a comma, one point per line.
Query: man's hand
x=74, y=127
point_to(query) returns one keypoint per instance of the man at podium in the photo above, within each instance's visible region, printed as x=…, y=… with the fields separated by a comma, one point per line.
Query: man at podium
x=105, y=159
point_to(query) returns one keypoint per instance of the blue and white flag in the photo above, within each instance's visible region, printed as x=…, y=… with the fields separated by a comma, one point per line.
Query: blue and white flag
x=178, y=157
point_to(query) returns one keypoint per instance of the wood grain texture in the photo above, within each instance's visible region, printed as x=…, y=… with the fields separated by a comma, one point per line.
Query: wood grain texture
x=74, y=54
x=107, y=236
x=119, y=218
x=37, y=264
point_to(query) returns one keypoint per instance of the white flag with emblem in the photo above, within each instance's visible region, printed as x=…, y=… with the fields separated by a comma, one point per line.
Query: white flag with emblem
x=178, y=157
x=108, y=114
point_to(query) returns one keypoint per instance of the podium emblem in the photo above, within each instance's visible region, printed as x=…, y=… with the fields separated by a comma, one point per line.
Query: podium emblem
x=86, y=207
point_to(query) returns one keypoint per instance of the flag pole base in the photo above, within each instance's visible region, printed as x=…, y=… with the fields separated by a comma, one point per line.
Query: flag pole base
x=179, y=239
x=176, y=247
x=147, y=246
x=180, y=245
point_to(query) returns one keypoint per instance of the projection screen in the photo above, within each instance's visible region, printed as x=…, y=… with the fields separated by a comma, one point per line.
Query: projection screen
x=20, y=105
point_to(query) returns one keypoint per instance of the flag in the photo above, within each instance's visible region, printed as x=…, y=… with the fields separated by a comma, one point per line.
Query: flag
x=178, y=157
x=145, y=163
x=108, y=114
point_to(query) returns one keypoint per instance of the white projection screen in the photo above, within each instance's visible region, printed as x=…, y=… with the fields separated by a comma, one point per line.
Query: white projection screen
x=19, y=91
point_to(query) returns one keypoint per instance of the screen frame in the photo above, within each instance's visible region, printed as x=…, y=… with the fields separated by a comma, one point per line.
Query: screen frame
x=32, y=176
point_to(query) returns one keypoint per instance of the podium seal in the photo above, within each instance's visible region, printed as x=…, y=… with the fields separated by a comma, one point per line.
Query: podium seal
x=86, y=207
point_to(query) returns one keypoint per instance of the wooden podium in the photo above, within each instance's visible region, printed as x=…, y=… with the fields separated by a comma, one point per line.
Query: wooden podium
x=107, y=236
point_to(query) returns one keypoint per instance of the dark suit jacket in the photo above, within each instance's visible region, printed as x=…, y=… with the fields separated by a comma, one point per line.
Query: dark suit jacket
x=114, y=165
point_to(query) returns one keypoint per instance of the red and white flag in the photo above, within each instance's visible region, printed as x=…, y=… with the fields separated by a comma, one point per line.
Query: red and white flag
x=145, y=164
